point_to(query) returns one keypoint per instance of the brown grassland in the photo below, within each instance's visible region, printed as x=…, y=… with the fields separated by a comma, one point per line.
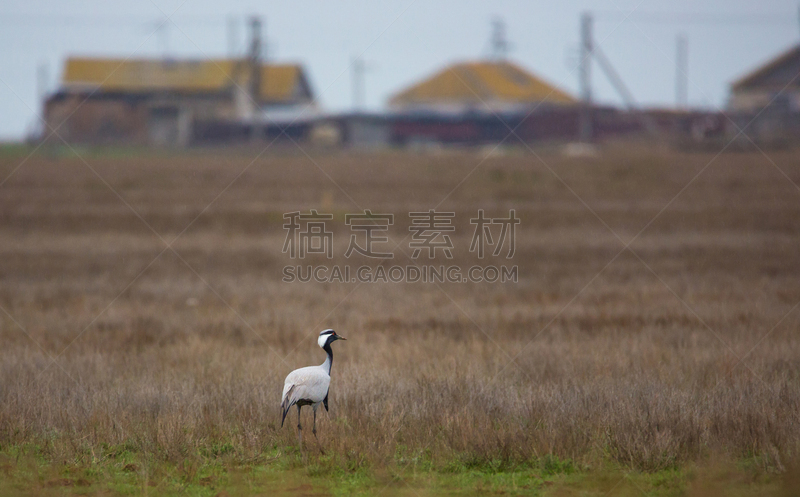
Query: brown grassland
x=145, y=331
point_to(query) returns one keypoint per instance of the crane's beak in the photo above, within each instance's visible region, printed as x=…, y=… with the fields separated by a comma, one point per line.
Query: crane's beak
x=339, y=337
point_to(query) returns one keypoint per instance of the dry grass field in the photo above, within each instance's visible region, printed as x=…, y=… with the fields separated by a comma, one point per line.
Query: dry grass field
x=145, y=329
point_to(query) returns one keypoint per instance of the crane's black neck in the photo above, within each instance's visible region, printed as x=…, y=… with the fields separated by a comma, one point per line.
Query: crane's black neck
x=329, y=360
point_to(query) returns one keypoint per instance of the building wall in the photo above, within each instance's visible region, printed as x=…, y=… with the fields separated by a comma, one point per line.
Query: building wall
x=754, y=100
x=96, y=120
x=159, y=120
x=768, y=116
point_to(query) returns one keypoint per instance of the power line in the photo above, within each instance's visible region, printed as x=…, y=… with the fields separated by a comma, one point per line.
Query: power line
x=55, y=20
x=728, y=19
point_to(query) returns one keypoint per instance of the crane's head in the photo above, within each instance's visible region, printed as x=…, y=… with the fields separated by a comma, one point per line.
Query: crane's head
x=327, y=337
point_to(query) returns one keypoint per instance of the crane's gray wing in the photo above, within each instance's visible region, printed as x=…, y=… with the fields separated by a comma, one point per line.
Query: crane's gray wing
x=307, y=384
x=286, y=403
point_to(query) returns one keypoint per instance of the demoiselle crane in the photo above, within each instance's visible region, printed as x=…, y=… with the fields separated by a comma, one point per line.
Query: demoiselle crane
x=309, y=385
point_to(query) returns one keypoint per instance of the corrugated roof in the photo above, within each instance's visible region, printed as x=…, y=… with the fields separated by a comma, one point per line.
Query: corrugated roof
x=753, y=77
x=474, y=82
x=278, y=82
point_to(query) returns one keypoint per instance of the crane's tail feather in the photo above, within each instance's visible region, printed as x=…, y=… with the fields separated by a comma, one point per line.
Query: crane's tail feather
x=286, y=404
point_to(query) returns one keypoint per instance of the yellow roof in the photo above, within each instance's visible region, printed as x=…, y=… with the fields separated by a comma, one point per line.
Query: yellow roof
x=278, y=82
x=473, y=82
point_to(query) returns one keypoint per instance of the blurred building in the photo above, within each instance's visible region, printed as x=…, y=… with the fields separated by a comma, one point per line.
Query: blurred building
x=757, y=89
x=475, y=102
x=479, y=87
x=768, y=99
x=173, y=102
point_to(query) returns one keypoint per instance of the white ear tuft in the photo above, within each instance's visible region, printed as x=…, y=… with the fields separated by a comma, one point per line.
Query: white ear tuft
x=323, y=336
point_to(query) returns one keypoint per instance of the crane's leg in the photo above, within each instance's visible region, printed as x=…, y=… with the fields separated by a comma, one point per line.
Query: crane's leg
x=314, y=430
x=299, y=429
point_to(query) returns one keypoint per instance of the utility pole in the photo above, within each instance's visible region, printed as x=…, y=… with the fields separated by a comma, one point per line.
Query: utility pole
x=359, y=68
x=42, y=77
x=255, y=58
x=682, y=73
x=499, y=41
x=162, y=36
x=233, y=36
x=255, y=75
x=627, y=97
x=585, y=78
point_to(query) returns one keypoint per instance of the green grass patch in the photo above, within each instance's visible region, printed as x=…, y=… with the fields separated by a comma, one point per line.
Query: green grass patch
x=218, y=470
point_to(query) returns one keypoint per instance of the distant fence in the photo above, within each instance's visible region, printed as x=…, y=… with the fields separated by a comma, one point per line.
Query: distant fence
x=231, y=132
x=553, y=124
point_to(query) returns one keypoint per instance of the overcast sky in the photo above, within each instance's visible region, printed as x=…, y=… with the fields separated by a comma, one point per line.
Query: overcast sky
x=402, y=41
